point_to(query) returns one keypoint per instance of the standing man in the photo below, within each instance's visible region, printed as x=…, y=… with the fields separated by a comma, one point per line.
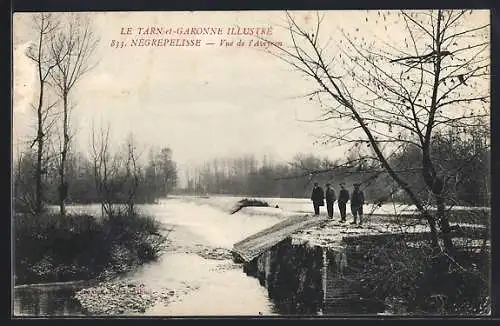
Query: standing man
x=343, y=199
x=357, y=202
x=317, y=198
x=330, y=199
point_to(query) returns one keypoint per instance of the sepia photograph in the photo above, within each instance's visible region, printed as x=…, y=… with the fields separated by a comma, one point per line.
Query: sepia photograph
x=251, y=163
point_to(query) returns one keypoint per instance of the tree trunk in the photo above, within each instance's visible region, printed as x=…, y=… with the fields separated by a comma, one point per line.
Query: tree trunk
x=444, y=224
x=40, y=138
x=63, y=185
x=415, y=200
x=436, y=185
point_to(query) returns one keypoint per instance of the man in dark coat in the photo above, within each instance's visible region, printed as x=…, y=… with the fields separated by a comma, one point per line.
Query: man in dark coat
x=330, y=199
x=343, y=199
x=357, y=202
x=317, y=198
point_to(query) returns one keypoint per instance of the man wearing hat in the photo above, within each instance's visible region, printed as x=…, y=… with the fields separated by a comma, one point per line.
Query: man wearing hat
x=357, y=202
x=317, y=198
x=330, y=199
x=343, y=199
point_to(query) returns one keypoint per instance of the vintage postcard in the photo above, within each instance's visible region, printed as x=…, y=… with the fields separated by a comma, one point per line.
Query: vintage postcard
x=251, y=163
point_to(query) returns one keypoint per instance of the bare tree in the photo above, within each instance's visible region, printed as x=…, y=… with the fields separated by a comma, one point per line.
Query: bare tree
x=132, y=174
x=72, y=48
x=100, y=154
x=391, y=93
x=116, y=175
x=45, y=26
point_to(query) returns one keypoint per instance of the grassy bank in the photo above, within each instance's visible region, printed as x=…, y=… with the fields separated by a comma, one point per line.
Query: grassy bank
x=53, y=248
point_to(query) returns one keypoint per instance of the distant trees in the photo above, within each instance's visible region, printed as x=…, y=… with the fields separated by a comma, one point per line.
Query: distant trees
x=463, y=158
x=115, y=176
x=160, y=176
x=221, y=175
x=251, y=176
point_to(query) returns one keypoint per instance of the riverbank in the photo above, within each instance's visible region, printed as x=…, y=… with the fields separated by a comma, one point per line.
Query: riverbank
x=380, y=268
x=53, y=248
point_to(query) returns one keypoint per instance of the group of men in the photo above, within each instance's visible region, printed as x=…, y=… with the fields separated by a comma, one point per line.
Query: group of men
x=357, y=199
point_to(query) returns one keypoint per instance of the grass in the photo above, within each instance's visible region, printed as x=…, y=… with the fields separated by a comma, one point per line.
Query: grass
x=53, y=248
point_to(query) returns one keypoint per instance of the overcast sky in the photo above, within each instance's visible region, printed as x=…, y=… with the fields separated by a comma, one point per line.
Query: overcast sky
x=202, y=102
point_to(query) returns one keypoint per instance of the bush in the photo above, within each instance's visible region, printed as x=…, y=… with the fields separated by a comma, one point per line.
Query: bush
x=53, y=248
x=406, y=273
x=140, y=235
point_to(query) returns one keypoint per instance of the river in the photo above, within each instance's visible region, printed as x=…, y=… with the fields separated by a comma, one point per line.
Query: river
x=204, y=284
x=216, y=286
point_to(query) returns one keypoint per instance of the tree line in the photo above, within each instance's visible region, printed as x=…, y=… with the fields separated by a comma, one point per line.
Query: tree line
x=110, y=178
x=463, y=157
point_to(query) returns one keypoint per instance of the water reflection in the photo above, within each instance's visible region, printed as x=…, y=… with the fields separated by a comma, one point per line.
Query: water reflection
x=308, y=281
x=47, y=300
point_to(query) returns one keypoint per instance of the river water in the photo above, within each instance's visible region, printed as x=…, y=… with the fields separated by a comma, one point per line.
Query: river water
x=218, y=286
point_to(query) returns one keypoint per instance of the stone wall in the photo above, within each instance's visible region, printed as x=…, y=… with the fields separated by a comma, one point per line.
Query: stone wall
x=309, y=280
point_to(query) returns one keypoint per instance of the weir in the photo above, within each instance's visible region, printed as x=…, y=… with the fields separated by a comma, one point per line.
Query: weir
x=314, y=269
x=301, y=279
x=254, y=245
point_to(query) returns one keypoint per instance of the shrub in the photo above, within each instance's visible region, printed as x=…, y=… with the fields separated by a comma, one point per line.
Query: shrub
x=140, y=235
x=50, y=247
x=406, y=273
